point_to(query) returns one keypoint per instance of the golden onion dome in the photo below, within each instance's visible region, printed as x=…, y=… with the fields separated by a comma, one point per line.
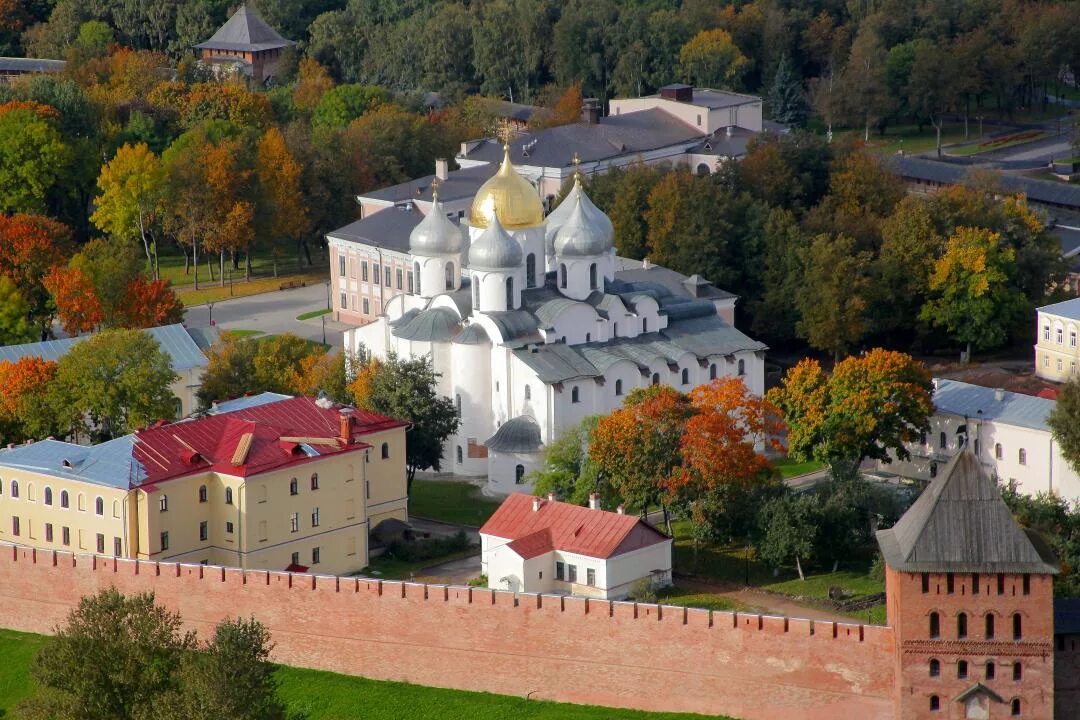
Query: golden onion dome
x=511, y=196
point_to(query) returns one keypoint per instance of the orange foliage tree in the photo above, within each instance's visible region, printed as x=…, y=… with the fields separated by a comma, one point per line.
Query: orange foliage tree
x=30, y=246
x=23, y=410
x=46, y=112
x=149, y=303
x=77, y=304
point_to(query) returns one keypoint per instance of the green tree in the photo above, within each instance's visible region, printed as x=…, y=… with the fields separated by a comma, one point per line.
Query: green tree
x=1064, y=422
x=973, y=294
x=791, y=524
x=111, y=266
x=113, y=383
x=278, y=360
x=711, y=59
x=15, y=325
x=832, y=297
x=774, y=314
x=931, y=92
x=229, y=371
x=910, y=243
x=132, y=186
x=343, y=104
x=406, y=389
x=786, y=99
x=863, y=89
x=33, y=160
x=565, y=468
x=115, y=658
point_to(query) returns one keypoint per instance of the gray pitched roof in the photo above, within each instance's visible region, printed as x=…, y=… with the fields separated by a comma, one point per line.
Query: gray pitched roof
x=388, y=229
x=1067, y=309
x=458, y=185
x=960, y=523
x=175, y=341
x=520, y=434
x=976, y=401
x=1041, y=191
x=473, y=334
x=109, y=463
x=431, y=325
x=248, y=401
x=30, y=65
x=245, y=31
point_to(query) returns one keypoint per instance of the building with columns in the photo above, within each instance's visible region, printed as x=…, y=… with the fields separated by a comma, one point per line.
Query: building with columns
x=534, y=323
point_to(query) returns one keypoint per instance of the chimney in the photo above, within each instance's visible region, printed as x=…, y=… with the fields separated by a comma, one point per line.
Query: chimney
x=730, y=130
x=594, y=501
x=621, y=509
x=536, y=504
x=551, y=497
x=677, y=92
x=590, y=111
x=345, y=425
x=645, y=264
x=442, y=168
x=999, y=394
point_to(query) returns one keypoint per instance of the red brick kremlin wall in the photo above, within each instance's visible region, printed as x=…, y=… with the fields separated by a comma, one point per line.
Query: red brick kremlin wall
x=568, y=649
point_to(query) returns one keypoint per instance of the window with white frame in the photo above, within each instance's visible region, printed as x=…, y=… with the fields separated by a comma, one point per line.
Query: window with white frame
x=294, y=522
x=1046, y=332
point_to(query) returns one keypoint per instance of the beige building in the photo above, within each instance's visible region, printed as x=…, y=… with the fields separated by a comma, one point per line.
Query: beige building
x=1056, y=352
x=265, y=482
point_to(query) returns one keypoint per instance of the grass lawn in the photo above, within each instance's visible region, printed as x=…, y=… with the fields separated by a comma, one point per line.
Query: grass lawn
x=908, y=138
x=262, y=265
x=989, y=145
x=240, y=333
x=817, y=586
x=387, y=568
x=690, y=598
x=213, y=292
x=454, y=502
x=329, y=696
x=790, y=467
x=313, y=314
x=725, y=564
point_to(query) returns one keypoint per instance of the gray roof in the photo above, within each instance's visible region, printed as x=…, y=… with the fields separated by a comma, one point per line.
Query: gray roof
x=388, y=229
x=517, y=435
x=248, y=401
x=1068, y=309
x=436, y=234
x=1067, y=616
x=715, y=99
x=722, y=144
x=245, y=31
x=458, y=185
x=1068, y=237
x=431, y=325
x=109, y=463
x=1041, y=191
x=175, y=341
x=960, y=523
x=613, y=136
x=638, y=278
x=586, y=232
x=495, y=249
x=204, y=337
x=9, y=65
x=473, y=334
x=976, y=401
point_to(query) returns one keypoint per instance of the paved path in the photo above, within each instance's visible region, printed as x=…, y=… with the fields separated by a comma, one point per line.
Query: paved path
x=272, y=313
x=764, y=603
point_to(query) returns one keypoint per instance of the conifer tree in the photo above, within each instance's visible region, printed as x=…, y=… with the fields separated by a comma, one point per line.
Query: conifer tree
x=786, y=100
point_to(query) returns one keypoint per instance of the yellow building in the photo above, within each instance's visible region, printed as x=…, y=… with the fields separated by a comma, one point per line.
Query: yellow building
x=1056, y=350
x=266, y=482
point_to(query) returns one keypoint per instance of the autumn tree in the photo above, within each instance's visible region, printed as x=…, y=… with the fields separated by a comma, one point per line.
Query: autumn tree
x=229, y=371
x=113, y=383
x=283, y=363
x=910, y=244
x=133, y=186
x=147, y=304
x=566, y=109
x=638, y=447
x=15, y=324
x=78, y=307
x=711, y=59
x=973, y=295
x=30, y=246
x=326, y=373
x=313, y=83
x=24, y=412
x=832, y=297
x=111, y=266
x=870, y=407
x=281, y=213
x=566, y=469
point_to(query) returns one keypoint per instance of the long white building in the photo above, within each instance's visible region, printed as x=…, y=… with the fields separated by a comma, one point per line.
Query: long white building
x=534, y=324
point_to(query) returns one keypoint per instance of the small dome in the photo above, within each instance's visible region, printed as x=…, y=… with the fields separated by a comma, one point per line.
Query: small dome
x=557, y=217
x=519, y=434
x=511, y=196
x=495, y=249
x=585, y=233
x=436, y=234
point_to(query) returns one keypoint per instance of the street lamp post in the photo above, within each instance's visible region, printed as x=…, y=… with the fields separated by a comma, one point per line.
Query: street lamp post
x=323, y=329
x=210, y=305
x=328, y=295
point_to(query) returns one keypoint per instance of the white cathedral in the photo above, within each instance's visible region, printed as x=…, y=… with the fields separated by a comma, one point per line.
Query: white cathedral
x=534, y=324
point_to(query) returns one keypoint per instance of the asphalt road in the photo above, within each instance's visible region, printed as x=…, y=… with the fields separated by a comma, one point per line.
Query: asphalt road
x=272, y=313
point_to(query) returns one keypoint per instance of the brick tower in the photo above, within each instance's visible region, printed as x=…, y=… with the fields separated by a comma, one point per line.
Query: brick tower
x=970, y=600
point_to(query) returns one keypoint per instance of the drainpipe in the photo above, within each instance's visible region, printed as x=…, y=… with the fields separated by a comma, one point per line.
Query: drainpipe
x=240, y=495
x=1051, y=463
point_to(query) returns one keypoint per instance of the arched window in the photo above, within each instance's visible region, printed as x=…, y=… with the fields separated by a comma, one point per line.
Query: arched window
x=416, y=274
x=528, y=392
x=998, y=452
x=519, y=474
x=712, y=371
x=530, y=270
x=64, y=501
x=14, y=488
x=1015, y=707
x=99, y=505
x=228, y=496
x=457, y=404
x=575, y=395
x=989, y=626
x=476, y=292
x=685, y=376
x=294, y=487
x=163, y=503
x=618, y=387
x=942, y=441
x=592, y=276
x=935, y=625
x=961, y=669
x=459, y=454
x=1017, y=626
x=961, y=626
x=314, y=481
x=1018, y=671
x=385, y=451
x=449, y=276
x=935, y=703
x=1023, y=456
x=742, y=367
x=588, y=337
x=48, y=495
x=991, y=669
x=656, y=378
x=935, y=668
x=509, y=293
x=562, y=275
x=202, y=494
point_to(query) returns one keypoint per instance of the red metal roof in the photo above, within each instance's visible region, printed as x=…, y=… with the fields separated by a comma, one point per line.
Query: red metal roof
x=565, y=527
x=256, y=439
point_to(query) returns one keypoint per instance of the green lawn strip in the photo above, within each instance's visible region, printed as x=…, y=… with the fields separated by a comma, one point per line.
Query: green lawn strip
x=459, y=503
x=214, y=292
x=171, y=268
x=313, y=314
x=984, y=146
x=908, y=138
x=683, y=597
x=17, y=651
x=732, y=564
x=854, y=583
x=388, y=568
x=241, y=333
x=789, y=467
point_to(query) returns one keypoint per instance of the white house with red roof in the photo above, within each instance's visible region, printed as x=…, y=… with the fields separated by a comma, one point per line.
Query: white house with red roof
x=540, y=545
